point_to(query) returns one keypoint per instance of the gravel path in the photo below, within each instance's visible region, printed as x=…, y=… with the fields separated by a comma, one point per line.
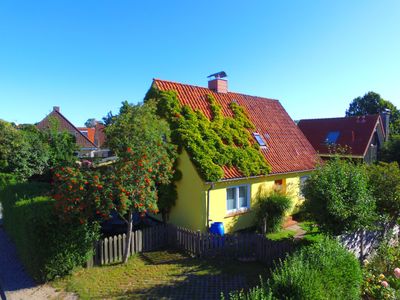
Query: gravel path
x=15, y=283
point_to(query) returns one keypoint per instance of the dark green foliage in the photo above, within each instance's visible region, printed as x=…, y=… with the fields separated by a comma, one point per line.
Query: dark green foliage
x=211, y=144
x=22, y=151
x=6, y=179
x=25, y=151
x=338, y=198
x=372, y=103
x=391, y=150
x=46, y=246
x=384, y=183
x=272, y=208
x=62, y=145
x=324, y=270
x=262, y=292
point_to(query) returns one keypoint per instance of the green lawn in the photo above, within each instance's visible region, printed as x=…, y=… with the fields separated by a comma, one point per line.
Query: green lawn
x=281, y=235
x=162, y=274
x=313, y=233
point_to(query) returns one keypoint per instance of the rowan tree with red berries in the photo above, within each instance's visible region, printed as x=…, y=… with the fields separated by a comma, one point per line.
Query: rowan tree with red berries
x=141, y=141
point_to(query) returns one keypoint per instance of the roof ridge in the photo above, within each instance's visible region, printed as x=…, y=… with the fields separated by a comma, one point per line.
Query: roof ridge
x=206, y=88
x=336, y=118
x=76, y=128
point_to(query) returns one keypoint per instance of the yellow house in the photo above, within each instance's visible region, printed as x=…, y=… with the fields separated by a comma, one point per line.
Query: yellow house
x=232, y=198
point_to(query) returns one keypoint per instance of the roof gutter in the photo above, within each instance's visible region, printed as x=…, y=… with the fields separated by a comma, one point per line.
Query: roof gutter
x=259, y=176
x=212, y=185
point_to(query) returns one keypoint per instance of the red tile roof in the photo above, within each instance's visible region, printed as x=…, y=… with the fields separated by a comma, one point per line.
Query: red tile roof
x=287, y=148
x=354, y=132
x=90, y=132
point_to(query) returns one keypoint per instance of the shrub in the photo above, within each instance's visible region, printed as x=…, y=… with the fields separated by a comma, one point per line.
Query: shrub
x=383, y=268
x=47, y=247
x=262, y=292
x=338, y=197
x=271, y=210
x=324, y=270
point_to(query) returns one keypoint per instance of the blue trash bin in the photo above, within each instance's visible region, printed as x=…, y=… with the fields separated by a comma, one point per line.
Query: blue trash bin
x=217, y=228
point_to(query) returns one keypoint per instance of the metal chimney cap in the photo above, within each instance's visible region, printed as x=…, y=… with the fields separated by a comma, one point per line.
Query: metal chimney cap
x=218, y=75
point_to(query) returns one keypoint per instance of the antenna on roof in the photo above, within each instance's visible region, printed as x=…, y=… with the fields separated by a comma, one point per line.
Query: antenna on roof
x=218, y=75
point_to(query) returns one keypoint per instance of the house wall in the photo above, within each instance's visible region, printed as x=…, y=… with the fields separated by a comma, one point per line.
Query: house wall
x=234, y=222
x=190, y=210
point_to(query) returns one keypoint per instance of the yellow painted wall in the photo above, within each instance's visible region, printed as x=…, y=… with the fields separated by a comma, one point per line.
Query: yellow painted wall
x=190, y=210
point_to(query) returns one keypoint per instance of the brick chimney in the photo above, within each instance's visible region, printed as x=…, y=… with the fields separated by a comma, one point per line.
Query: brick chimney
x=385, y=116
x=217, y=84
x=56, y=108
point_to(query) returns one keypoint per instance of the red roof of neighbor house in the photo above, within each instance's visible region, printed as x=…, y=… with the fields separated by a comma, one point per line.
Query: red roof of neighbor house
x=89, y=132
x=354, y=132
x=65, y=124
x=287, y=148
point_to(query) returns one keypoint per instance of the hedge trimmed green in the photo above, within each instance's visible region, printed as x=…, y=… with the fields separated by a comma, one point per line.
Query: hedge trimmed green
x=47, y=247
x=211, y=144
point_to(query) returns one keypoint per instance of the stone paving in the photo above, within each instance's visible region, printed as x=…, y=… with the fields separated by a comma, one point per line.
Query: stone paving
x=15, y=283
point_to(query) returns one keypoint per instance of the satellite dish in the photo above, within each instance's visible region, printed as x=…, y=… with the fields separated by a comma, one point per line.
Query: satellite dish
x=218, y=75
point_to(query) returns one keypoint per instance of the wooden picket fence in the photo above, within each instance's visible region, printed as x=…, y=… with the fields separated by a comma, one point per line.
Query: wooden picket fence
x=245, y=246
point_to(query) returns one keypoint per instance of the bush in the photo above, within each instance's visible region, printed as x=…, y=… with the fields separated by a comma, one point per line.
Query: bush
x=381, y=269
x=324, y=270
x=6, y=179
x=338, y=197
x=47, y=247
x=271, y=210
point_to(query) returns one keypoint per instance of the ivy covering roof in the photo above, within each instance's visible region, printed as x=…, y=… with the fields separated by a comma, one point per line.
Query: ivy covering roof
x=287, y=148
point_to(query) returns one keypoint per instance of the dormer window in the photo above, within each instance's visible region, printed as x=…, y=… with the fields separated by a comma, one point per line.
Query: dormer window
x=332, y=137
x=259, y=139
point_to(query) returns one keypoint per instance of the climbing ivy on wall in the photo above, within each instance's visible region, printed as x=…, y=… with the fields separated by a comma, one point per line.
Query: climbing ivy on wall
x=211, y=144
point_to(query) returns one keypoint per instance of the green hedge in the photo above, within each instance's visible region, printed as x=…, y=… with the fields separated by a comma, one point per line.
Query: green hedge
x=324, y=270
x=46, y=246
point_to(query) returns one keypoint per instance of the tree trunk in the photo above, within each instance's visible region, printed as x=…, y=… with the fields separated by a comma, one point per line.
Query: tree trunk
x=128, y=238
x=264, y=226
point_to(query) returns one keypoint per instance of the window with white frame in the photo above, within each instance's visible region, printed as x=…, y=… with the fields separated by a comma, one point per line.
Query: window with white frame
x=237, y=198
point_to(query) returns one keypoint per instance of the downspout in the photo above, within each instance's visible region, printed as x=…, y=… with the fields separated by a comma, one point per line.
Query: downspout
x=212, y=185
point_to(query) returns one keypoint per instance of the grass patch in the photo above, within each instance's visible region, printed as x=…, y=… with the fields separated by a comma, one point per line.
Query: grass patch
x=281, y=235
x=154, y=275
x=313, y=234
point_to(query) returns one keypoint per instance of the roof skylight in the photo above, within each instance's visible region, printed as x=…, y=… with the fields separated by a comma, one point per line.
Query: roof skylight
x=259, y=139
x=332, y=137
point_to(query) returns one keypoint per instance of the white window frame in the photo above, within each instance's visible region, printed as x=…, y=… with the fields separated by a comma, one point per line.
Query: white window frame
x=238, y=209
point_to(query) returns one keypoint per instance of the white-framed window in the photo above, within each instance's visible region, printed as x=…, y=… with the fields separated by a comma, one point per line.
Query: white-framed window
x=237, y=198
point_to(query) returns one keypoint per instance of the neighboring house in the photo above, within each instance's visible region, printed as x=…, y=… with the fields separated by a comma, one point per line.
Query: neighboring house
x=362, y=136
x=86, y=138
x=231, y=200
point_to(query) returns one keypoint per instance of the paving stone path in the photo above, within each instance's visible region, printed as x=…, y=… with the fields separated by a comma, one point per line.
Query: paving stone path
x=15, y=283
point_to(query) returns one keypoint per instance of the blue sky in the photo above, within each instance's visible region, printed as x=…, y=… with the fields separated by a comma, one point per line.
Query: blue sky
x=89, y=56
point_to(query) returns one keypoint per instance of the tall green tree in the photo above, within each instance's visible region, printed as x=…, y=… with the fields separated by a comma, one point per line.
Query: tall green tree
x=384, y=182
x=373, y=103
x=391, y=150
x=146, y=155
x=23, y=153
x=338, y=197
